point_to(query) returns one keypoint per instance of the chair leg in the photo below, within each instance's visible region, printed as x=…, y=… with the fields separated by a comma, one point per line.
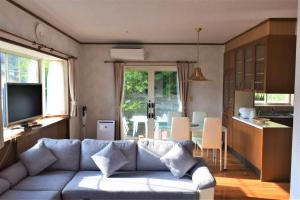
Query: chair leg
x=221, y=159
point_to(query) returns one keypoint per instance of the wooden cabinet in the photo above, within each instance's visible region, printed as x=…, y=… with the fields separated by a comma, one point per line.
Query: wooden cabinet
x=228, y=92
x=260, y=59
x=56, y=128
x=265, y=57
x=249, y=58
x=275, y=64
x=266, y=65
x=239, y=69
x=267, y=149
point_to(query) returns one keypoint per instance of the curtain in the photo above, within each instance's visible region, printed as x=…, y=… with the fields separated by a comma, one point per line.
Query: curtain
x=72, y=88
x=1, y=124
x=183, y=71
x=56, y=89
x=119, y=79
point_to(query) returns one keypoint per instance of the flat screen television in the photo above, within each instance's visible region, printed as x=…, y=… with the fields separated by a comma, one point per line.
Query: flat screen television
x=24, y=102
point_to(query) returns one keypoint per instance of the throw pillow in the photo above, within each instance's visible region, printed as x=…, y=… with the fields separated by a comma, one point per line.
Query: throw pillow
x=37, y=158
x=178, y=160
x=109, y=159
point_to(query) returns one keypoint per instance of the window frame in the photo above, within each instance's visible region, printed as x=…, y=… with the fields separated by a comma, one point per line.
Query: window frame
x=40, y=76
x=24, y=56
x=266, y=103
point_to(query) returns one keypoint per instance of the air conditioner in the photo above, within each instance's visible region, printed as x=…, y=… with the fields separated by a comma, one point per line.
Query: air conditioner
x=127, y=54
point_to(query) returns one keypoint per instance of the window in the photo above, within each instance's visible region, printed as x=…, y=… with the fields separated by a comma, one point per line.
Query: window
x=273, y=99
x=17, y=68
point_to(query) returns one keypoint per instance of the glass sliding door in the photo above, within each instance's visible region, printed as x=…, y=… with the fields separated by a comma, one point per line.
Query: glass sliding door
x=134, y=107
x=150, y=99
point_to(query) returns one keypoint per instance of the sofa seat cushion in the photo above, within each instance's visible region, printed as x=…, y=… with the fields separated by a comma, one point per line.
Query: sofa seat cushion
x=130, y=185
x=49, y=180
x=32, y=195
x=66, y=151
x=150, y=151
x=89, y=147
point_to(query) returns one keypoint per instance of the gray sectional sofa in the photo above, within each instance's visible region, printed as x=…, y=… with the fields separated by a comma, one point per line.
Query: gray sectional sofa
x=75, y=176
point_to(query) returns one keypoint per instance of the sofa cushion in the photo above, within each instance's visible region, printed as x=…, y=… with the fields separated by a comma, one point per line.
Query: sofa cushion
x=129, y=185
x=66, y=151
x=109, y=159
x=37, y=158
x=178, y=160
x=14, y=173
x=49, y=180
x=30, y=195
x=89, y=147
x=4, y=185
x=150, y=151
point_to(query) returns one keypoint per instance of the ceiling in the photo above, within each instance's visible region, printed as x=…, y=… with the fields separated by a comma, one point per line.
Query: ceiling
x=157, y=21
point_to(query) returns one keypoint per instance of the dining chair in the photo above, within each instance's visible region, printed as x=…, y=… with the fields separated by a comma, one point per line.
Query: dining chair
x=212, y=136
x=125, y=126
x=171, y=115
x=180, y=128
x=198, y=117
x=198, y=120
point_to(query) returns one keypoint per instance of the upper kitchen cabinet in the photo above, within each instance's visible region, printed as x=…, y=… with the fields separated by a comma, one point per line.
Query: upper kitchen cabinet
x=275, y=64
x=265, y=57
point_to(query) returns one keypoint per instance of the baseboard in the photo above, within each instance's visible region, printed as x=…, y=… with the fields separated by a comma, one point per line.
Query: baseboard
x=244, y=161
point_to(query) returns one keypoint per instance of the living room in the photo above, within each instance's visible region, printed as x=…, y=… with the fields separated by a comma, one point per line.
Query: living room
x=126, y=62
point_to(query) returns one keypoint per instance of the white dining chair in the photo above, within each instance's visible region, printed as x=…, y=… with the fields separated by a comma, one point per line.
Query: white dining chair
x=212, y=136
x=180, y=128
x=171, y=115
x=197, y=119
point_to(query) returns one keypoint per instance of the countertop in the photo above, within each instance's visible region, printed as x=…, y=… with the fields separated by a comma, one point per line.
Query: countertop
x=252, y=122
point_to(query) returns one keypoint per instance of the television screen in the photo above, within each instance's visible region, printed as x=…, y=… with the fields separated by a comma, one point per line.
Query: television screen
x=24, y=101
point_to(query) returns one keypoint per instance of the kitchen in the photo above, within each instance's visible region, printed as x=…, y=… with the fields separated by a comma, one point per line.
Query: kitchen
x=259, y=69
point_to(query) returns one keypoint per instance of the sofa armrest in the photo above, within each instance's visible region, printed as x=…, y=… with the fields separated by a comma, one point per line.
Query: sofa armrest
x=201, y=176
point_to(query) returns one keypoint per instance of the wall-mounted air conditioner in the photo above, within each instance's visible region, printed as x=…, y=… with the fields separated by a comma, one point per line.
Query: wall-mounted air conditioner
x=127, y=54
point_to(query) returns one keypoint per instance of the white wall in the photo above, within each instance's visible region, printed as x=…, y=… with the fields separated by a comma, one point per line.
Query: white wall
x=295, y=174
x=96, y=88
x=14, y=20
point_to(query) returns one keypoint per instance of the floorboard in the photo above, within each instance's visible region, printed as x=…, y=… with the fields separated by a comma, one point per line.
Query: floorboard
x=238, y=182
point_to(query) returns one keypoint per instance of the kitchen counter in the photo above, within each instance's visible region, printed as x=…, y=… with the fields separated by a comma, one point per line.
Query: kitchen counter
x=265, y=148
x=268, y=124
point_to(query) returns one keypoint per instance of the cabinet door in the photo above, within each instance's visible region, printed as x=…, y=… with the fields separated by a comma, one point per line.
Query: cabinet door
x=260, y=63
x=239, y=69
x=249, y=68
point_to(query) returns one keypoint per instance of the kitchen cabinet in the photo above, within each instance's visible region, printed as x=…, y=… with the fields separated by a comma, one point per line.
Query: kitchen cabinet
x=267, y=148
x=275, y=64
x=266, y=65
x=228, y=92
x=239, y=69
x=249, y=67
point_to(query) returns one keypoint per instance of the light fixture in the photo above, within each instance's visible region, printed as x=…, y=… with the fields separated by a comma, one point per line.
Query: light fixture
x=197, y=74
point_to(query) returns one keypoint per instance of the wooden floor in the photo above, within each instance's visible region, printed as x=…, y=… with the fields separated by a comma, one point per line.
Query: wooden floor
x=238, y=182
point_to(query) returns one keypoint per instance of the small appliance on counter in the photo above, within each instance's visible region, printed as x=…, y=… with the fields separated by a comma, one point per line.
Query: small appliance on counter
x=247, y=113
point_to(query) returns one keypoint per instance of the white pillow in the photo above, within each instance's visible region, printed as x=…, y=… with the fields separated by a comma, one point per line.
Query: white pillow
x=37, y=158
x=178, y=160
x=109, y=159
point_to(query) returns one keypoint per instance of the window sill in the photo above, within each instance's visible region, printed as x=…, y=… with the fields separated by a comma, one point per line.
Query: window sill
x=13, y=134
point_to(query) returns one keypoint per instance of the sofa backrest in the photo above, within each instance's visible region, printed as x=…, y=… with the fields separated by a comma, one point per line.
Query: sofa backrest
x=14, y=173
x=66, y=151
x=90, y=146
x=149, y=153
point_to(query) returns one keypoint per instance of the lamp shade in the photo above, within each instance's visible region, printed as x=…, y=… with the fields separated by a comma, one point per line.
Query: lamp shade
x=197, y=75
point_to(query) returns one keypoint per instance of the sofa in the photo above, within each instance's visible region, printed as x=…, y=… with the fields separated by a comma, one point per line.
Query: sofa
x=74, y=175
